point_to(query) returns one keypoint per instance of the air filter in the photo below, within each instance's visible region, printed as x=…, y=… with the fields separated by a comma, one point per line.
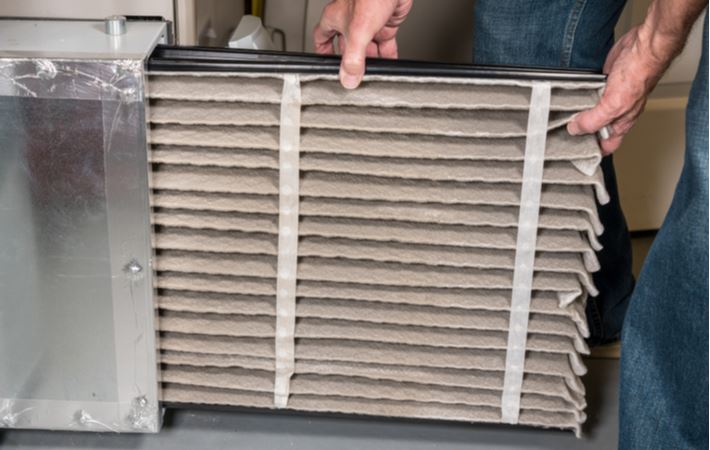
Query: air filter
x=420, y=247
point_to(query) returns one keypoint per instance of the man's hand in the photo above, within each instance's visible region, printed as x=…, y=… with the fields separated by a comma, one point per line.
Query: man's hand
x=363, y=28
x=632, y=75
x=634, y=66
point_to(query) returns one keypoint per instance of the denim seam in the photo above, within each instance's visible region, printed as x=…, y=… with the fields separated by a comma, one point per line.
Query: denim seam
x=570, y=32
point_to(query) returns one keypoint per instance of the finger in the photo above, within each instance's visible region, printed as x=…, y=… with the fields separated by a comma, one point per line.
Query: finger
x=352, y=66
x=323, y=38
x=361, y=31
x=617, y=132
x=331, y=23
x=324, y=47
x=592, y=120
x=341, y=44
x=388, y=49
x=372, y=51
x=610, y=145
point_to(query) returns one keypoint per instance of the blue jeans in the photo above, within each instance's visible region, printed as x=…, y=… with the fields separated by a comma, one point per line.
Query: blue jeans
x=664, y=358
x=578, y=34
x=664, y=372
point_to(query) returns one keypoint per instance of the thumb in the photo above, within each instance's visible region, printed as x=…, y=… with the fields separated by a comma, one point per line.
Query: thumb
x=592, y=120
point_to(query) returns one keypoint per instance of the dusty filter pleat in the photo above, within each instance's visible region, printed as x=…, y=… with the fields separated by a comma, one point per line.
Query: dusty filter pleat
x=395, y=250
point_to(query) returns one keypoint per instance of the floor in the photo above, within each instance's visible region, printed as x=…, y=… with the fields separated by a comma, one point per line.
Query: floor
x=249, y=429
x=205, y=429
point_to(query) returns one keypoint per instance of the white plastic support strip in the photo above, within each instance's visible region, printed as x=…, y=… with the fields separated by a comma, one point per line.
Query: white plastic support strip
x=525, y=250
x=289, y=142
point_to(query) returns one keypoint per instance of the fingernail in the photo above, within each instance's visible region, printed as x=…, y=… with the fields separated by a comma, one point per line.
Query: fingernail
x=349, y=81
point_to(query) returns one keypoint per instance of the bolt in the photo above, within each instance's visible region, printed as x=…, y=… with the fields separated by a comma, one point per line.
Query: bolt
x=115, y=25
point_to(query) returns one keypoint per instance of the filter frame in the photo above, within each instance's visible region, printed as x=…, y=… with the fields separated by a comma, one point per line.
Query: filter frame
x=207, y=59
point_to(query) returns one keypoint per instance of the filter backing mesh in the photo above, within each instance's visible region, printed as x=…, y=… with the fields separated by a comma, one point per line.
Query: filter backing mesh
x=409, y=196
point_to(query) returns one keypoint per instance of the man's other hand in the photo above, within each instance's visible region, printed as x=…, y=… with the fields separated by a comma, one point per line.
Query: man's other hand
x=634, y=66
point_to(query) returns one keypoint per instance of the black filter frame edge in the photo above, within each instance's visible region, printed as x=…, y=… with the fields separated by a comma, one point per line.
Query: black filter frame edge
x=205, y=59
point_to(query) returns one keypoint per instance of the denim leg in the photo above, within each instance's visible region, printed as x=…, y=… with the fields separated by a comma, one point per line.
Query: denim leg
x=664, y=356
x=579, y=34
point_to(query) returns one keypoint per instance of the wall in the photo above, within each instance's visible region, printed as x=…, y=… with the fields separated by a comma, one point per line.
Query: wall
x=86, y=9
x=206, y=22
x=435, y=31
x=216, y=20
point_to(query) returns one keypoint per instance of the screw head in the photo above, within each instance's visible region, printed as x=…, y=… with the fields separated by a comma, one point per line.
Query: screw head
x=133, y=267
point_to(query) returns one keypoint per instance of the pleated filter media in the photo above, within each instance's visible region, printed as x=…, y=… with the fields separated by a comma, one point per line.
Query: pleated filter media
x=418, y=247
